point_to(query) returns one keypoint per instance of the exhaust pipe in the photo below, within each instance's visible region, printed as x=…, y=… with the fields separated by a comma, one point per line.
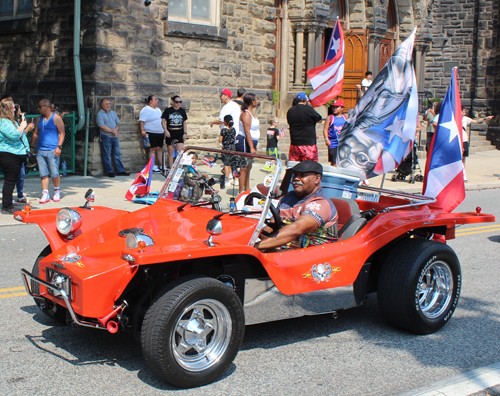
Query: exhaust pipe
x=112, y=326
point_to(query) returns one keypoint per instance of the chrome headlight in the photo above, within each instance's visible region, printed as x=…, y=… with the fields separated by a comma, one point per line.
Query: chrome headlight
x=68, y=221
x=59, y=280
x=133, y=239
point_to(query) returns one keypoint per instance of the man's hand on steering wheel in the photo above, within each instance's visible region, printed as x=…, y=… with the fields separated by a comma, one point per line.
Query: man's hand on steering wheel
x=274, y=225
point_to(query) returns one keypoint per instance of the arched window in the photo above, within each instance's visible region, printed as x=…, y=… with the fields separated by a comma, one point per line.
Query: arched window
x=336, y=9
x=391, y=20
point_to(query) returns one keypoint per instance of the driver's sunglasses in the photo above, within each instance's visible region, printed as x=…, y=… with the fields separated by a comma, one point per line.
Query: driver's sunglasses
x=178, y=101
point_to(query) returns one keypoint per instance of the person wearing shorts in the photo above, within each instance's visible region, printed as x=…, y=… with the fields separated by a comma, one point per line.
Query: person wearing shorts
x=174, y=123
x=150, y=124
x=273, y=135
x=331, y=131
x=302, y=120
x=48, y=137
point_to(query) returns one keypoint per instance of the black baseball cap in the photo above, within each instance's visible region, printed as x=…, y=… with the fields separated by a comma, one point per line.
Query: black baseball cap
x=308, y=166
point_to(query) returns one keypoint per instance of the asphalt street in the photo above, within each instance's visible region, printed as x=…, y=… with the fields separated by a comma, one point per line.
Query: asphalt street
x=355, y=354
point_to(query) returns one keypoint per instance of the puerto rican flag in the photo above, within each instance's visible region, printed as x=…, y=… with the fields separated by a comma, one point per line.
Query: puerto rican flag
x=444, y=170
x=282, y=132
x=208, y=161
x=142, y=182
x=328, y=78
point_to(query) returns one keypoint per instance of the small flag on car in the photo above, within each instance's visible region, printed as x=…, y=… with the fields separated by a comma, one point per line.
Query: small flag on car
x=282, y=132
x=208, y=161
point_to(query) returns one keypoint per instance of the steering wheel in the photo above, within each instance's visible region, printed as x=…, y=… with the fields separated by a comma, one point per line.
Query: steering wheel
x=276, y=215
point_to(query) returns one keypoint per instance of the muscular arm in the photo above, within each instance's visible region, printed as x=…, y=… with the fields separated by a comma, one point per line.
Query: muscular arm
x=62, y=133
x=34, y=137
x=302, y=225
x=325, y=130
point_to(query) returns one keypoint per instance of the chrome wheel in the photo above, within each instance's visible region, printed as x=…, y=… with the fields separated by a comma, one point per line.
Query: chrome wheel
x=201, y=335
x=435, y=289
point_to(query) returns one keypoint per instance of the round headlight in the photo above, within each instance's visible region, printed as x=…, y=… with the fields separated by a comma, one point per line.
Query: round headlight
x=68, y=221
x=133, y=238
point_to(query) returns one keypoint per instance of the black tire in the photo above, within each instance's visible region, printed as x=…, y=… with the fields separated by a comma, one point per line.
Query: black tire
x=408, y=275
x=193, y=358
x=53, y=311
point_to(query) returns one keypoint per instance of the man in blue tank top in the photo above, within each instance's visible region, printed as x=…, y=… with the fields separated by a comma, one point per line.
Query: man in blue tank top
x=48, y=137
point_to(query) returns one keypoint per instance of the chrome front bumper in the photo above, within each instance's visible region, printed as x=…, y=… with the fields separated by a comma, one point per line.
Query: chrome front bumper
x=57, y=293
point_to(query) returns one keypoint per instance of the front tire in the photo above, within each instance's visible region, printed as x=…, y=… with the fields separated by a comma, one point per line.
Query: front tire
x=419, y=285
x=52, y=310
x=192, y=333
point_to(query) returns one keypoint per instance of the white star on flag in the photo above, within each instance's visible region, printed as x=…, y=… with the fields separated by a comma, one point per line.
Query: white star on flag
x=336, y=45
x=452, y=126
x=396, y=128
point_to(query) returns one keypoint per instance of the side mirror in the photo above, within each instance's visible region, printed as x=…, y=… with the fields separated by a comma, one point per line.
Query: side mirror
x=214, y=227
x=89, y=197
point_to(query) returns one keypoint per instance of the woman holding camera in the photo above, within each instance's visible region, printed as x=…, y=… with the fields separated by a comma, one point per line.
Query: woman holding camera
x=13, y=147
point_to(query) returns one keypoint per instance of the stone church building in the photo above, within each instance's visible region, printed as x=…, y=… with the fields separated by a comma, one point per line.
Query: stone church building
x=195, y=48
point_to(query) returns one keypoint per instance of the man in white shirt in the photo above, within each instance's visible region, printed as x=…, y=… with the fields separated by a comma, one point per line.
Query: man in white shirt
x=230, y=107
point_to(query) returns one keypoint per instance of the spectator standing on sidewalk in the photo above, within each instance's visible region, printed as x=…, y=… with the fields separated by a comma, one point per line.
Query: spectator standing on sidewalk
x=331, y=131
x=302, y=120
x=174, y=123
x=150, y=124
x=13, y=146
x=273, y=135
x=109, y=125
x=48, y=137
x=230, y=107
x=248, y=137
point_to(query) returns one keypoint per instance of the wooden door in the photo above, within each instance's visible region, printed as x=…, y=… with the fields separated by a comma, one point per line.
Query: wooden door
x=385, y=52
x=355, y=65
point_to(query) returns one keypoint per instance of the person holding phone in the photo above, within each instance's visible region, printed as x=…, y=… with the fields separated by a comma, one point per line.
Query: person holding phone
x=13, y=146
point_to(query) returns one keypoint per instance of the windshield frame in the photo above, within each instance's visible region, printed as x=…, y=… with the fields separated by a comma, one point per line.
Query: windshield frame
x=273, y=187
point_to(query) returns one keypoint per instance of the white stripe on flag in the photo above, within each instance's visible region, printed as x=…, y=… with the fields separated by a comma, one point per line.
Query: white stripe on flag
x=327, y=86
x=439, y=178
x=326, y=74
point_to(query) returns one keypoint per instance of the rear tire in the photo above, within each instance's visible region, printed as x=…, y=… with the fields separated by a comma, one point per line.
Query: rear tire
x=419, y=285
x=192, y=333
x=52, y=310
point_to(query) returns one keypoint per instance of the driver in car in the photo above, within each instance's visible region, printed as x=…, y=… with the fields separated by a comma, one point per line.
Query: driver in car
x=309, y=216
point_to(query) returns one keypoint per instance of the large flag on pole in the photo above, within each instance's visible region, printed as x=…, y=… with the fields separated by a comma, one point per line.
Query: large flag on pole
x=380, y=132
x=142, y=182
x=444, y=178
x=327, y=79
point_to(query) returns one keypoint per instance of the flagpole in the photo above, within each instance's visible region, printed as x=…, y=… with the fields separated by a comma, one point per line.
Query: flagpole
x=151, y=170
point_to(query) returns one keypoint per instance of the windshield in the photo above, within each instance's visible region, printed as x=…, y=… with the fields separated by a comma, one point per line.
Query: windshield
x=198, y=177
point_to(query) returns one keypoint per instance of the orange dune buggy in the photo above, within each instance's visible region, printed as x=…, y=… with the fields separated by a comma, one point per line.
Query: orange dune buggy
x=183, y=275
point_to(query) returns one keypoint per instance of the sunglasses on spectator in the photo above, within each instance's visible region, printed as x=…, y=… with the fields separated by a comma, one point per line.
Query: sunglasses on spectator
x=42, y=106
x=178, y=101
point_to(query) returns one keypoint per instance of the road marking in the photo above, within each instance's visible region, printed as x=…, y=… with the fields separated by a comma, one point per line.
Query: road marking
x=13, y=295
x=462, y=384
x=9, y=289
x=478, y=228
x=477, y=232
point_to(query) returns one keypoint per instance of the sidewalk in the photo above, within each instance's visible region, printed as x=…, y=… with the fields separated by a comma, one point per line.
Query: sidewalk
x=483, y=170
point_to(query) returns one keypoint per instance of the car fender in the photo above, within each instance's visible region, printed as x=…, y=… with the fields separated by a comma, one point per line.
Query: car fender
x=46, y=220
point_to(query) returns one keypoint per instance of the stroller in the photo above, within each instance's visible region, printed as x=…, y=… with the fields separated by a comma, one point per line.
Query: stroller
x=410, y=166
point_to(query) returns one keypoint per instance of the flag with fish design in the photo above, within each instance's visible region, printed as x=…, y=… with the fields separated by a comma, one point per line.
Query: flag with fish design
x=381, y=131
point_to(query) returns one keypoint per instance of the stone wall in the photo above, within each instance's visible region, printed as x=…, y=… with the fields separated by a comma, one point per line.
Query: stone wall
x=131, y=51
x=36, y=56
x=464, y=34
